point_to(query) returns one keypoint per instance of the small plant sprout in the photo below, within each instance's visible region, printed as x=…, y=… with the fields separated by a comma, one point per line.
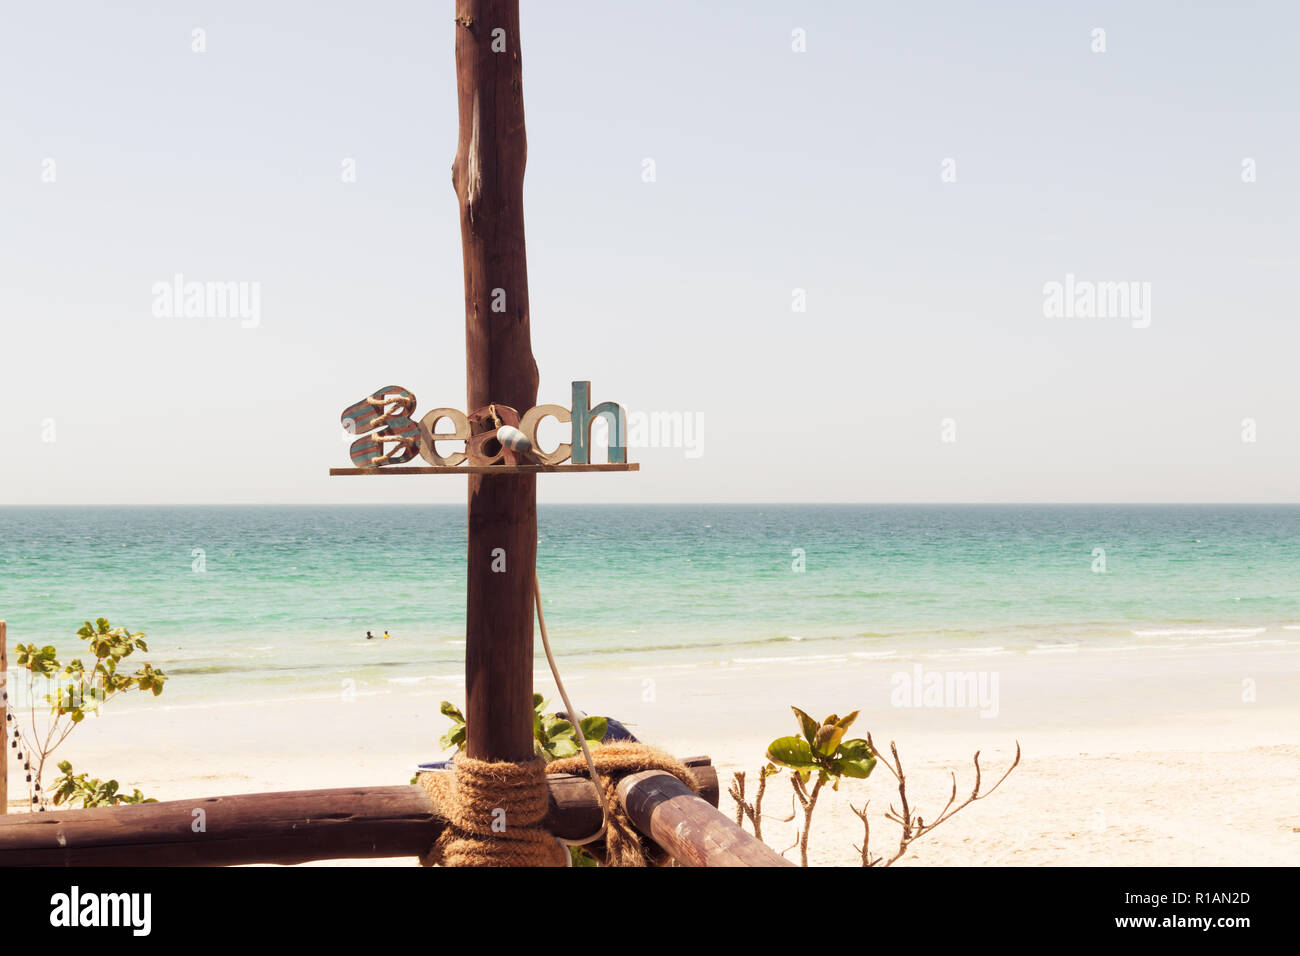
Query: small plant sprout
x=90, y=791
x=822, y=750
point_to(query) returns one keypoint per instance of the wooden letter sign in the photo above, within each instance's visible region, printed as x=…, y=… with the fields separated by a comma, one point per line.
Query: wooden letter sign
x=386, y=418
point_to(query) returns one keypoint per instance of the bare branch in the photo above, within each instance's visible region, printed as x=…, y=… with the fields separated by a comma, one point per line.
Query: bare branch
x=737, y=792
x=915, y=827
x=865, y=849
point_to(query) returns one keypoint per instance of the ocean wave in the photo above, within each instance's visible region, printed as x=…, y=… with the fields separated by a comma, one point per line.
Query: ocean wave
x=1202, y=632
x=425, y=677
x=967, y=651
x=798, y=659
x=1138, y=647
x=1266, y=641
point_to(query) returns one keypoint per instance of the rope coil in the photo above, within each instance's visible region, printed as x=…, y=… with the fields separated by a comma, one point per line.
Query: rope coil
x=495, y=810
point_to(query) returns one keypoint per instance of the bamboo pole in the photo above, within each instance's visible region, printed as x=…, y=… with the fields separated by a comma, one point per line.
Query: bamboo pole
x=6, y=735
x=488, y=175
x=289, y=827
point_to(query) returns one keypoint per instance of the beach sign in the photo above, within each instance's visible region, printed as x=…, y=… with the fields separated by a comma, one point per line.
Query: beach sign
x=388, y=434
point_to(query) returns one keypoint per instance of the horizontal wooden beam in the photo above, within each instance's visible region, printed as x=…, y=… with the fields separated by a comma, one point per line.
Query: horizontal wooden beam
x=288, y=827
x=692, y=831
x=486, y=469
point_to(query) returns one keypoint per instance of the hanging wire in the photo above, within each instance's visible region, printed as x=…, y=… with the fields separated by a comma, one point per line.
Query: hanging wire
x=569, y=709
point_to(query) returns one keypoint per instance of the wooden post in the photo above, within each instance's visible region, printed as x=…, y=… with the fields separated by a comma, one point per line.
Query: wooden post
x=6, y=735
x=488, y=175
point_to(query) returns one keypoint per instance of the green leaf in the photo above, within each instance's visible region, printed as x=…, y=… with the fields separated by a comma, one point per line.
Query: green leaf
x=857, y=768
x=855, y=749
x=790, y=752
x=448, y=709
x=581, y=857
x=828, y=738
x=564, y=747
x=844, y=722
x=453, y=738
x=807, y=725
x=559, y=728
x=594, y=728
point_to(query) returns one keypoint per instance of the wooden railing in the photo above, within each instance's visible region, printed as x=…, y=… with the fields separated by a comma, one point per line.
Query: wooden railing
x=361, y=823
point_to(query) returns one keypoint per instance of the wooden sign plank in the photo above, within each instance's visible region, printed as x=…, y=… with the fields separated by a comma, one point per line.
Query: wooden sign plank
x=487, y=469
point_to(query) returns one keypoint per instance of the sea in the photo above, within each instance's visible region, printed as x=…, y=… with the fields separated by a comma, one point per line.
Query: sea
x=273, y=602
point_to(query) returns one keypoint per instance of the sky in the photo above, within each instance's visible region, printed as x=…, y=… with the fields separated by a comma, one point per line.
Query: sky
x=839, y=272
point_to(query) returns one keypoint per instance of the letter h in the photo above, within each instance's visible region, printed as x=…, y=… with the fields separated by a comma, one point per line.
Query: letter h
x=583, y=415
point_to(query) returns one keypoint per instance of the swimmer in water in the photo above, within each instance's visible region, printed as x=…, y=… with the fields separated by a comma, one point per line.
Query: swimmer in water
x=385, y=635
x=369, y=636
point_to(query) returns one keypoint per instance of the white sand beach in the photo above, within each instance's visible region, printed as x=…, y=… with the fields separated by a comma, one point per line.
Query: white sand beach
x=1167, y=755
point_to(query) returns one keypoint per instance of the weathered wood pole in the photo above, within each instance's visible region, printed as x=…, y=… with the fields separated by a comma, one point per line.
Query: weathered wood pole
x=489, y=178
x=688, y=826
x=6, y=735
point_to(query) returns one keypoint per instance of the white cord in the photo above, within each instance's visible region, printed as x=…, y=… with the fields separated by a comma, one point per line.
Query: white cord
x=577, y=727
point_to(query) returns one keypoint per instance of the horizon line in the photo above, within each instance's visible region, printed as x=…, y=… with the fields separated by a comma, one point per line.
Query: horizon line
x=666, y=504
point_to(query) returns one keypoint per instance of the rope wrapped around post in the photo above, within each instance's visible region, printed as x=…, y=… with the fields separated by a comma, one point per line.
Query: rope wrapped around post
x=479, y=793
x=494, y=811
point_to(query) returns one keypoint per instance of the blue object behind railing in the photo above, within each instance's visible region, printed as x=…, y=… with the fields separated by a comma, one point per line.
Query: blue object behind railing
x=615, y=731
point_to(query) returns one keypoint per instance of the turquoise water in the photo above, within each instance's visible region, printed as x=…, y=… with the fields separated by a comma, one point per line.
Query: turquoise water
x=279, y=599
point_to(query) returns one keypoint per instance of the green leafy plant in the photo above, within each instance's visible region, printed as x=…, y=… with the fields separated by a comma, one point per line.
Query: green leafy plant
x=91, y=791
x=822, y=750
x=553, y=736
x=80, y=689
